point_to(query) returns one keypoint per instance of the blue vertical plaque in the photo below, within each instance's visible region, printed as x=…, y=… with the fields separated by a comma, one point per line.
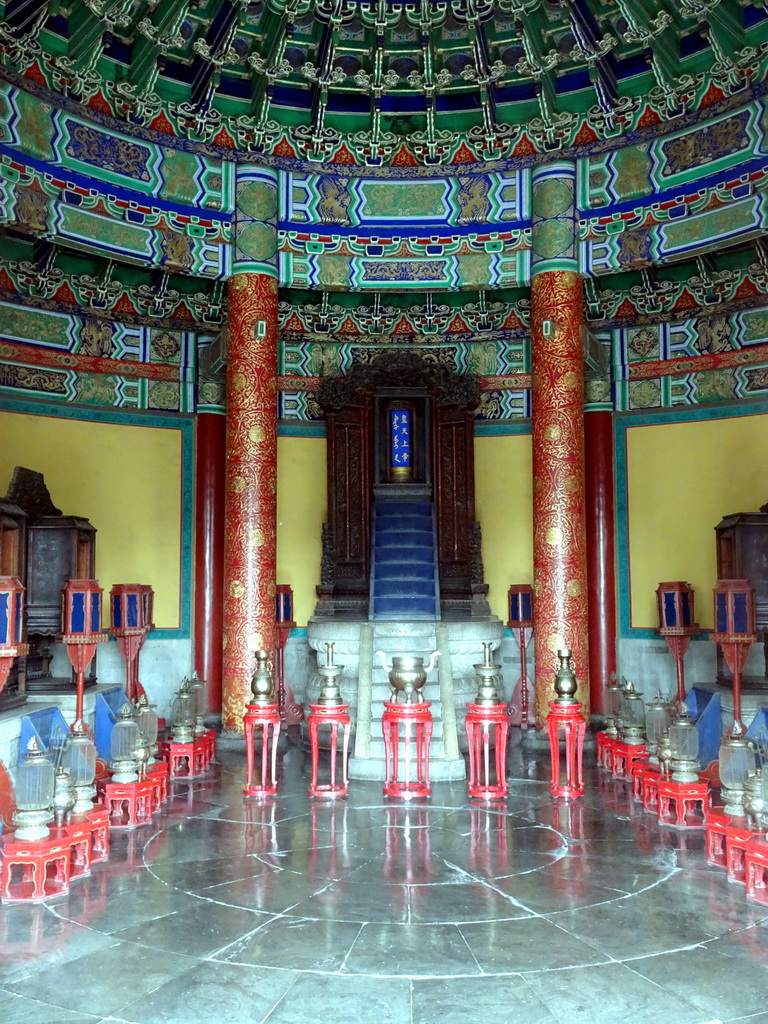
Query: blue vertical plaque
x=400, y=438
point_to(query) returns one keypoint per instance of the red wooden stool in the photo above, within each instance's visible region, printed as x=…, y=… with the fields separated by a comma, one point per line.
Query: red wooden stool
x=715, y=822
x=605, y=743
x=186, y=760
x=650, y=777
x=265, y=718
x=415, y=719
x=98, y=823
x=332, y=715
x=756, y=869
x=485, y=784
x=128, y=804
x=35, y=871
x=737, y=838
x=682, y=804
x=624, y=755
x=157, y=773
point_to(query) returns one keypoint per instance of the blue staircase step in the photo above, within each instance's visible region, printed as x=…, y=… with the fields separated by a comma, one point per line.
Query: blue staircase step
x=404, y=538
x=397, y=553
x=405, y=507
x=399, y=588
x=387, y=518
x=405, y=571
x=404, y=562
x=403, y=606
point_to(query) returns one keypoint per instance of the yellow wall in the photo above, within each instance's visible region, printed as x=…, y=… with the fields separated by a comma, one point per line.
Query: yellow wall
x=503, y=504
x=125, y=479
x=301, y=511
x=682, y=478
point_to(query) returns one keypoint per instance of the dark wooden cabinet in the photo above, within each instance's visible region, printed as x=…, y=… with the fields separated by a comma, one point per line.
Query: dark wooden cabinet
x=59, y=549
x=13, y=557
x=50, y=550
x=742, y=553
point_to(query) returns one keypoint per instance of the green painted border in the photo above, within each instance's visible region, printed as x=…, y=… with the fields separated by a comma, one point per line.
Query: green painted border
x=622, y=422
x=134, y=419
x=299, y=428
x=501, y=428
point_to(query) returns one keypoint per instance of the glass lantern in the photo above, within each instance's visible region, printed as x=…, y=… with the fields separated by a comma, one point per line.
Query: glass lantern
x=148, y=723
x=126, y=739
x=612, y=707
x=684, y=748
x=184, y=714
x=80, y=759
x=657, y=720
x=632, y=717
x=35, y=781
x=197, y=686
x=737, y=759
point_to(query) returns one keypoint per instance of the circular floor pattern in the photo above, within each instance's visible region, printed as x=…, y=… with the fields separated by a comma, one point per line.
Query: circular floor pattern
x=437, y=894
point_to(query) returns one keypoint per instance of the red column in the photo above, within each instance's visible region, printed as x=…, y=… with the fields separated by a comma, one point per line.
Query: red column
x=250, y=516
x=209, y=551
x=251, y=483
x=601, y=554
x=557, y=363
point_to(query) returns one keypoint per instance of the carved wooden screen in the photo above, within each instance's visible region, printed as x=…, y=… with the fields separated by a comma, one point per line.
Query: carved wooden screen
x=454, y=490
x=349, y=495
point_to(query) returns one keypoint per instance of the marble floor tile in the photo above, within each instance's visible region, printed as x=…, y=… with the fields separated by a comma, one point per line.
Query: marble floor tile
x=20, y=1009
x=610, y=994
x=100, y=983
x=319, y=999
x=492, y=1000
x=214, y=993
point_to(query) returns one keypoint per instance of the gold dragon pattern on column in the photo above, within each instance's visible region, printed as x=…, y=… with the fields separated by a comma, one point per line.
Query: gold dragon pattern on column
x=559, y=545
x=250, y=546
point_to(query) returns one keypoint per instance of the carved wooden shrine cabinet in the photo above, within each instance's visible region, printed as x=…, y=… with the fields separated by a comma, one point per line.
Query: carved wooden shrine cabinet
x=742, y=553
x=52, y=549
x=358, y=409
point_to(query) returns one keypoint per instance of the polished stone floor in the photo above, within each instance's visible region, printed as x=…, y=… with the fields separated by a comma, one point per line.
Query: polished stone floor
x=299, y=912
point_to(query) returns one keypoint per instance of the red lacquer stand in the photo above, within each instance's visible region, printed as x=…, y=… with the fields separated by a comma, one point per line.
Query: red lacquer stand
x=522, y=695
x=266, y=719
x=569, y=718
x=487, y=782
x=81, y=649
x=335, y=716
x=7, y=657
x=130, y=641
x=414, y=719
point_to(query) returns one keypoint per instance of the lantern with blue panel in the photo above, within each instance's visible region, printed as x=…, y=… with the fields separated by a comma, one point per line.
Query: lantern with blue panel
x=734, y=614
x=677, y=625
x=81, y=605
x=130, y=607
x=11, y=625
x=148, y=606
x=520, y=600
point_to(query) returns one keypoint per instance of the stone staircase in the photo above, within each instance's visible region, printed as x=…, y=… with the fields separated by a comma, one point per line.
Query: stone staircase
x=404, y=584
x=421, y=639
